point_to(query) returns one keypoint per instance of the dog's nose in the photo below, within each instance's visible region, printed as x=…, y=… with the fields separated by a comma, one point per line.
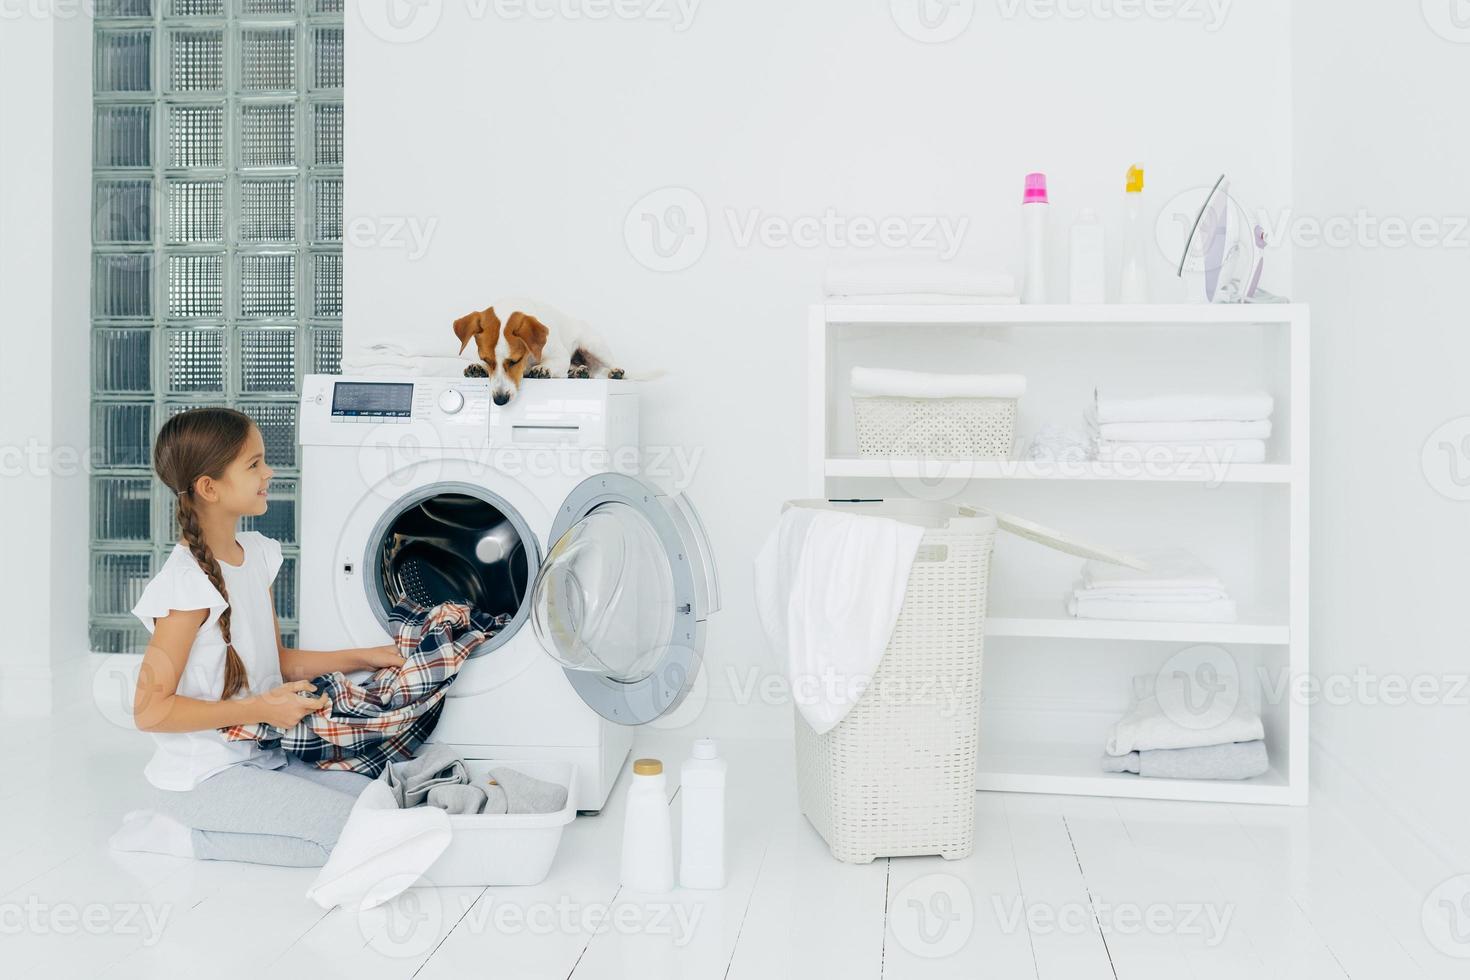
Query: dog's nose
x=501, y=397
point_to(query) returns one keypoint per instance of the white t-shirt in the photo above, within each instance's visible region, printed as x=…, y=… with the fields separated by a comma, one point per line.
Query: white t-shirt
x=183, y=760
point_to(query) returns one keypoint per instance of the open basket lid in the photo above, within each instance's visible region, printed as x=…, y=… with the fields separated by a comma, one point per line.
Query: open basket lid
x=1058, y=541
x=925, y=512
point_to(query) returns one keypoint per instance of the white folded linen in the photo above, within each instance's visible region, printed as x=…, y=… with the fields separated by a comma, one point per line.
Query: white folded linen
x=1173, y=568
x=1183, y=453
x=1244, y=406
x=955, y=284
x=888, y=383
x=1170, y=710
x=1232, y=760
x=1207, y=611
x=828, y=589
x=409, y=360
x=1206, y=430
x=1149, y=594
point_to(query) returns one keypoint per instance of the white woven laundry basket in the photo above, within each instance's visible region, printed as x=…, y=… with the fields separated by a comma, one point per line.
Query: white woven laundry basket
x=958, y=428
x=897, y=775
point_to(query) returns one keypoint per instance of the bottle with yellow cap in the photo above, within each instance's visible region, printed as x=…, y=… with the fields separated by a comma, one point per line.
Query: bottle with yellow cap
x=1133, y=287
x=648, y=836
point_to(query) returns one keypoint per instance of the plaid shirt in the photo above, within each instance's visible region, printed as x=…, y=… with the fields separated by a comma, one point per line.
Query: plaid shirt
x=388, y=716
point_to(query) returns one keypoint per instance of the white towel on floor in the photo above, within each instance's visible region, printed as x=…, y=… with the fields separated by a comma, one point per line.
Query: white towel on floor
x=1197, y=431
x=1206, y=611
x=942, y=283
x=1244, y=406
x=382, y=851
x=888, y=383
x=1217, y=451
x=1184, y=709
x=828, y=588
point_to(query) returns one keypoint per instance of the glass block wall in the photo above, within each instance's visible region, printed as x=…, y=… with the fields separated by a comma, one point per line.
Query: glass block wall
x=217, y=257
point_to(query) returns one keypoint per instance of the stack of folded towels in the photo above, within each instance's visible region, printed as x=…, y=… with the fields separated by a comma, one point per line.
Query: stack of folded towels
x=1177, y=588
x=1224, y=426
x=1163, y=739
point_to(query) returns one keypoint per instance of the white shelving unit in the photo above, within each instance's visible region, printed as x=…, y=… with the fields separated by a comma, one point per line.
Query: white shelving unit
x=1054, y=683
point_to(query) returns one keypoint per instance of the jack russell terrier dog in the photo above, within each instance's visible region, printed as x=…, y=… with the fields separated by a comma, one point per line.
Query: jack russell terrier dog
x=534, y=341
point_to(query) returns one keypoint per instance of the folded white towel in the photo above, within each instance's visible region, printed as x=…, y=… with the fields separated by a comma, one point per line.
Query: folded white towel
x=828, y=589
x=887, y=383
x=408, y=360
x=955, y=285
x=1151, y=594
x=1208, y=611
x=1177, y=710
x=1183, y=453
x=1171, y=568
x=1200, y=431
x=1244, y=406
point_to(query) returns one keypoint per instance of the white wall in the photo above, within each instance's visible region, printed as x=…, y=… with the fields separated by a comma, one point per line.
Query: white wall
x=1385, y=138
x=524, y=143
x=45, y=161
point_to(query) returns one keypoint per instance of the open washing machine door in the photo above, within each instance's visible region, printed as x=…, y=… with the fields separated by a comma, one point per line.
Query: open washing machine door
x=622, y=597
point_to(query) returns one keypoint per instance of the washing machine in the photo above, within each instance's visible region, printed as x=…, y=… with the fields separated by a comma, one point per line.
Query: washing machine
x=424, y=488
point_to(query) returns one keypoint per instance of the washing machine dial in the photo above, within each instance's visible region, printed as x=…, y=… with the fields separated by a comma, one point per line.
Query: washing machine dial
x=451, y=401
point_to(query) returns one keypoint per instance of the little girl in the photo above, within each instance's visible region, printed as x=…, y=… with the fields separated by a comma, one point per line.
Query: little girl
x=216, y=660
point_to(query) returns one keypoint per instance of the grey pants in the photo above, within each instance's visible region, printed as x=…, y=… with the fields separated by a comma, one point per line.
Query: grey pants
x=290, y=816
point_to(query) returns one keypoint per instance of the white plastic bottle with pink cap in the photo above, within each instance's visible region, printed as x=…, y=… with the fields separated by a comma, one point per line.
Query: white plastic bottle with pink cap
x=1035, y=210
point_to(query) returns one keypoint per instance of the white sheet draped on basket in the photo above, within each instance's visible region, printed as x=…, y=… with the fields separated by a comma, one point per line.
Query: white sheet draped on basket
x=828, y=590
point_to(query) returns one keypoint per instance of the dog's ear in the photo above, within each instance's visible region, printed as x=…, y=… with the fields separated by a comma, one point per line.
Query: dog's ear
x=467, y=326
x=472, y=324
x=531, y=331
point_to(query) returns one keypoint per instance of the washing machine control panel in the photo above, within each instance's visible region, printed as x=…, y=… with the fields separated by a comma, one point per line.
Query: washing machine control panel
x=328, y=401
x=372, y=401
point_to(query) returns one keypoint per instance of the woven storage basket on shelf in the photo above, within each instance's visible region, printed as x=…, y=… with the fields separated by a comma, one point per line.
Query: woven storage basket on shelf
x=897, y=775
x=959, y=428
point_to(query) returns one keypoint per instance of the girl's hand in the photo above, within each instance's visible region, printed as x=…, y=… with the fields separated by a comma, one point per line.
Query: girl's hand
x=387, y=655
x=284, y=706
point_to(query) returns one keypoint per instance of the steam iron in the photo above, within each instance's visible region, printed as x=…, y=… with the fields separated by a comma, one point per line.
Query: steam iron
x=1226, y=251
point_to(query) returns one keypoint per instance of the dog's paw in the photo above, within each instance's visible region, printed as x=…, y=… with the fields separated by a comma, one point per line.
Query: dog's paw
x=617, y=374
x=537, y=372
x=475, y=371
x=578, y=371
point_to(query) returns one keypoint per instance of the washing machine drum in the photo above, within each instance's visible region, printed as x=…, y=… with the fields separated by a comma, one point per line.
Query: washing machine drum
x=621, y=599
x=455, y=548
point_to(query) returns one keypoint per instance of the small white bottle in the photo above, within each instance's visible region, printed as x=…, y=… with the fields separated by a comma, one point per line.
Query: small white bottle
x=702, y=824
x=1034, y=209
x=1088, y=264
x=1133, y=287
x=648, y=837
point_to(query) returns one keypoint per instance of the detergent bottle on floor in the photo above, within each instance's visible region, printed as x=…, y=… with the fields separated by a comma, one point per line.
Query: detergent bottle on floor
x=648, y=836
x=702, y=817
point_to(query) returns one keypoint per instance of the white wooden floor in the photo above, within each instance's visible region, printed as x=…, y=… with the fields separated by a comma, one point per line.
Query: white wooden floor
x=1058, y=887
